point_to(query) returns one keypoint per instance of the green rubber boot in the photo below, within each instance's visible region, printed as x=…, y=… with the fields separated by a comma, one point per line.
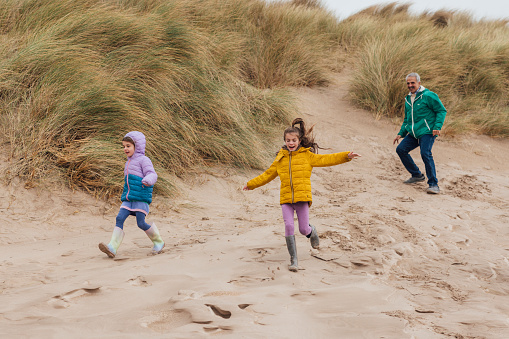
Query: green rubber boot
x=114, y=244
x=153, y=234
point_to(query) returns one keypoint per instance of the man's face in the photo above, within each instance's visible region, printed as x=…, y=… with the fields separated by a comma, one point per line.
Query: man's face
x=413, y=84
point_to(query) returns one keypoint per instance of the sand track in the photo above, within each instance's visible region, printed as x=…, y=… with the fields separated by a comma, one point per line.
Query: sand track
x=394, y=262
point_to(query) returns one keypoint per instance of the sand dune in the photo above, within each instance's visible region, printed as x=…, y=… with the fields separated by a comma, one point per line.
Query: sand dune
x=394, y=262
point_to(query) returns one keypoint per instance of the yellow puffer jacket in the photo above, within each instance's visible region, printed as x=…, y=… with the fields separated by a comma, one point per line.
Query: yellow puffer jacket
x=294, y=171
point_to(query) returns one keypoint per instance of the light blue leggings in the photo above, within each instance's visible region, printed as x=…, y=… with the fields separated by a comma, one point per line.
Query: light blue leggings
x=302, y=210
x=124, y=213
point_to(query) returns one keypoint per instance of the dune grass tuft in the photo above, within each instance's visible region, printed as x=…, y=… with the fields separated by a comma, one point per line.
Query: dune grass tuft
x=463, y=60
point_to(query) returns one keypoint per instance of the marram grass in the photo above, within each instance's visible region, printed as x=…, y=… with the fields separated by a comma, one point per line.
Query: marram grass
x=206, y=80
x=466, y=62
x=193, y=76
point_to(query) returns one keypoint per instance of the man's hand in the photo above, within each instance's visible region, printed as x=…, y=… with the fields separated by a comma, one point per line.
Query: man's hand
x=396, y=139
x=436, y=132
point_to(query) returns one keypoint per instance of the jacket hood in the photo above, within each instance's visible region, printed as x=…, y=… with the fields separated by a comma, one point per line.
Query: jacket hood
x=139, y=142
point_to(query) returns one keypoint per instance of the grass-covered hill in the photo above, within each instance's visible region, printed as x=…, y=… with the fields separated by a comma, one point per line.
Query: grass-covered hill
x=466, y=62
x=207, y=80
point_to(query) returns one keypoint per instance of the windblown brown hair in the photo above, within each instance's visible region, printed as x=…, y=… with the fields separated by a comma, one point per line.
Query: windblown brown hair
x=129, y=139
x=306, y=136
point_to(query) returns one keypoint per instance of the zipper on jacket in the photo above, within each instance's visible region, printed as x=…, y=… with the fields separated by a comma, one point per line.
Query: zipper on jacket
x=291, y=180
x=427, y=125
x=127, y=180
x=412, y=112
x=411, y=104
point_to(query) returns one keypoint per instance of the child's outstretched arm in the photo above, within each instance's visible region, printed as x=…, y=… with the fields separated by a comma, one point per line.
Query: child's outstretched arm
x=264, y=178
x=323, y=160
x=149, y=173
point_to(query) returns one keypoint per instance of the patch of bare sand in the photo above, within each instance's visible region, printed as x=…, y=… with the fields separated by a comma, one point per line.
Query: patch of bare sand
x=394, y=262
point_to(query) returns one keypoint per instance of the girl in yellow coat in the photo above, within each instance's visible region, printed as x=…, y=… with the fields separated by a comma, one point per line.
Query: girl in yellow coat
x=293, y=165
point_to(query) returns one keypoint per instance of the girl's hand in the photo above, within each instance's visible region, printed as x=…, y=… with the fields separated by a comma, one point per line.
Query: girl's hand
x=246, y=188
x=353, y=155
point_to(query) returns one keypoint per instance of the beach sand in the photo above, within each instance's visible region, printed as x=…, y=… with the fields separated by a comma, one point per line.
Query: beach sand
x=394, y=262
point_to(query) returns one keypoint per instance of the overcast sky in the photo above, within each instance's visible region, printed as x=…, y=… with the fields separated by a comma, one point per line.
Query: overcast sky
x=490, y=9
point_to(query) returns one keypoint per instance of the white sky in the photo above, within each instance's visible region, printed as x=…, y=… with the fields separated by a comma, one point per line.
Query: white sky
x=489, y=9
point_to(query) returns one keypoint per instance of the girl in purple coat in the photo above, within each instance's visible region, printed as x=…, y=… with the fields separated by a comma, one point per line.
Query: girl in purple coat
x=140, y=177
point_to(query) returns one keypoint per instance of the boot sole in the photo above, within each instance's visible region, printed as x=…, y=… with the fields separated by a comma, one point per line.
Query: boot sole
x=414, y=181
x=315, y=243
x=158, y=252
x=293, y=268
x=106, y=250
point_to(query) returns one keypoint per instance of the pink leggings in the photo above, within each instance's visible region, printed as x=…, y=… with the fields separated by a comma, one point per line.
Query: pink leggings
x=302, y=209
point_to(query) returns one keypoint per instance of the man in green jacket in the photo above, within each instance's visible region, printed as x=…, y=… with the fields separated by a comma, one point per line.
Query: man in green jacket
x=424, y=117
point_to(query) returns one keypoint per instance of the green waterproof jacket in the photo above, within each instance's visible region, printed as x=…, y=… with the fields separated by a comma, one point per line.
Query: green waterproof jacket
x=425, y=115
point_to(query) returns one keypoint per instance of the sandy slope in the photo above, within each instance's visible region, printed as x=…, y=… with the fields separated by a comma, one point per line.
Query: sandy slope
x=394, y=262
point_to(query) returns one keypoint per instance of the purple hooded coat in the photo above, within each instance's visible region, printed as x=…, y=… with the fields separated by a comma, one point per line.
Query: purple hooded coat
x=139, y=175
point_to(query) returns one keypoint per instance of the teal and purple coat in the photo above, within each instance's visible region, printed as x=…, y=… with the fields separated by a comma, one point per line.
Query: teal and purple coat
x=139, y=173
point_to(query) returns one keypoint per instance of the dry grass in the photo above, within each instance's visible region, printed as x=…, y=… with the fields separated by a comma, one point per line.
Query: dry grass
x=466, y=62
x=205, y=79
x=75, y=76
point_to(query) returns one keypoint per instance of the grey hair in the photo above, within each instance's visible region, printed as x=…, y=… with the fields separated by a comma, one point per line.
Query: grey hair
x=415, y=75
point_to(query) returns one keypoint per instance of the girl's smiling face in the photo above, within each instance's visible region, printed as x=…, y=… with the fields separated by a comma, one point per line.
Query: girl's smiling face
x=292, y=141
x=128, y=148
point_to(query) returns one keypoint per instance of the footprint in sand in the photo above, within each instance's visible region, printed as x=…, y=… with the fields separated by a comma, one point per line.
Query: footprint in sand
x=164, y=321
x=139, y=281
x=215, y=329
x=468, y=187
x=64, y=300
x=219, y=311
x=208, y=311
x=245, y=280
x=259, y=253
x=303, y=296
